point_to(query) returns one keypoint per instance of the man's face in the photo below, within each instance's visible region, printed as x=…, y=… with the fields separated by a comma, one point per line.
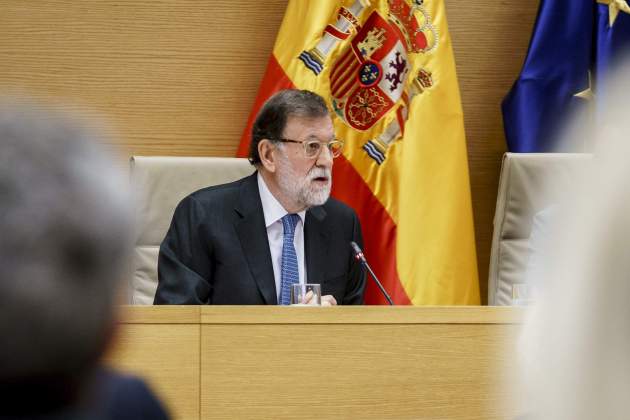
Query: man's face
x=305, y=181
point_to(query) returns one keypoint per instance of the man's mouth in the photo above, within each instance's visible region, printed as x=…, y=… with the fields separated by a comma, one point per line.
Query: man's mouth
x=321, y=179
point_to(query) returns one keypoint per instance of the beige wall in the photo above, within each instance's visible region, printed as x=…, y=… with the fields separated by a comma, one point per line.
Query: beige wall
x=178, y=77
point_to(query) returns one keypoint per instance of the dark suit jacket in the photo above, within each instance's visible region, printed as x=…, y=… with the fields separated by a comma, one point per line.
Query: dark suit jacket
x=216, y=250
x=107, y=395
x=126, y=397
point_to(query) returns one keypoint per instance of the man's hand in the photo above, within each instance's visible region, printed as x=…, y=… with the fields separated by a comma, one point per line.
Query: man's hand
x=327, y=300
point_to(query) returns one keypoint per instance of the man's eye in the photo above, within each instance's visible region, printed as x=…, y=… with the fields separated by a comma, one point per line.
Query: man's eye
x=313, y=146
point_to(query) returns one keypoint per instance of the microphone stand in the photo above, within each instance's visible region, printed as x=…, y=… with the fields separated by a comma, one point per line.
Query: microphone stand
x=358, y=254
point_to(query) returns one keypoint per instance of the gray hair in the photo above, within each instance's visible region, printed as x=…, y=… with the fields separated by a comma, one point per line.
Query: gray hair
x=272, y=117
x=65, y=239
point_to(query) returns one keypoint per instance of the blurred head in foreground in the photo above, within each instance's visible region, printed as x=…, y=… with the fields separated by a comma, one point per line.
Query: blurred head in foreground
x=65, y=236
x=575, y=345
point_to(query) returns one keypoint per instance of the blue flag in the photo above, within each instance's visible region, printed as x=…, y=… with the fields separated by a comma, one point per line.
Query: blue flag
x=574, y=46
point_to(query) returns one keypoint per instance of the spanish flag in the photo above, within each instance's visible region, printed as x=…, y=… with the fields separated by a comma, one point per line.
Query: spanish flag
x=387, y=70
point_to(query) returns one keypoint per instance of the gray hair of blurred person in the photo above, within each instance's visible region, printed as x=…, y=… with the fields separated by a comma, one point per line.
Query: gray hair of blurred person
x=65, y=239
x=274, y=114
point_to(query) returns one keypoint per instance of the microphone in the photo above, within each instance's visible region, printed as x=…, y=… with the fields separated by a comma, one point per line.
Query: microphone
x=358, y=255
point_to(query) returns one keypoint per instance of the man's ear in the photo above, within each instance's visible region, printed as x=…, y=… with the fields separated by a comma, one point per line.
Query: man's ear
x=266, y=151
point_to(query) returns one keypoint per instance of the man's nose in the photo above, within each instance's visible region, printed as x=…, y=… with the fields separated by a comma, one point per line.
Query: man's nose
x=325, y=157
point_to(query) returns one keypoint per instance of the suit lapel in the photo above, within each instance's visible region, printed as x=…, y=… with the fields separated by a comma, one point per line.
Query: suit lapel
x=315, y=244
x=253, y=237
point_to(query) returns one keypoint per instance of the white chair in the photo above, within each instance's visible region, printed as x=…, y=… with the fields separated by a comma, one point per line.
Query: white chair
x=529, y=183
x=162, y=183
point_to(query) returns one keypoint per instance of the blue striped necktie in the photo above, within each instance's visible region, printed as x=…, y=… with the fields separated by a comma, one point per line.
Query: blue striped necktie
x=289, y=268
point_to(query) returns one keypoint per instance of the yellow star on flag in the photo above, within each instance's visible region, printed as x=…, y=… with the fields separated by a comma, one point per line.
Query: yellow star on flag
x=614, y=7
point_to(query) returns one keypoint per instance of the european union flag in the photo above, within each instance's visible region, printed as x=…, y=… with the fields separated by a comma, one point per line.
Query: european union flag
x=574, y=46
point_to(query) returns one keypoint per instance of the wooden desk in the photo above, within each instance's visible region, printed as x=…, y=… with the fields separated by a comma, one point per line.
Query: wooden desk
x=344, y=362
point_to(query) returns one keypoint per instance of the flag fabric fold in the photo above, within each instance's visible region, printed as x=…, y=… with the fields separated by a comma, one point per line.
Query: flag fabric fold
x=387, y=71
x=573, y=48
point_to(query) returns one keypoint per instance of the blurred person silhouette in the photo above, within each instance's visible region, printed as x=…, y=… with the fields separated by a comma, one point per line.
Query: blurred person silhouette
x=575, y=345
x=65, y=238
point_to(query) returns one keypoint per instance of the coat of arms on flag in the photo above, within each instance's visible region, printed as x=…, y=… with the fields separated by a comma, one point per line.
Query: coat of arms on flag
x=370, y=77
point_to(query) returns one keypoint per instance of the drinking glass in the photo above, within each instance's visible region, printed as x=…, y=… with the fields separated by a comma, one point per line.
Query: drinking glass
x=306, y=294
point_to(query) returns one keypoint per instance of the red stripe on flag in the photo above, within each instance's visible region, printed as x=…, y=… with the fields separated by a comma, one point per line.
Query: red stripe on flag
x=349, y=75
x=341, y=66
x=379, y=232
x=275, y=79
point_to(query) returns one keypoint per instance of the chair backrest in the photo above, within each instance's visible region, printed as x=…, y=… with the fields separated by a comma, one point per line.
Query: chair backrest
x=162, y=183
x=529, y=183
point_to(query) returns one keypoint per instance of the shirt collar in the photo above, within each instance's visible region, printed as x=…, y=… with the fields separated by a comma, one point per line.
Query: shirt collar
x=272, y=209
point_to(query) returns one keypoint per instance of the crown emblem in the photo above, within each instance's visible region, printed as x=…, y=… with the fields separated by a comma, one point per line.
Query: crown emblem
x=402, y=15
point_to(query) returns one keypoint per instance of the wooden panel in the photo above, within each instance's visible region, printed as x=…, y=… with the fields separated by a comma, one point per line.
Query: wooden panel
x=368, y=362
x=167, y=356
x=178, y=77
x=311, y=371
x=175, y=77
x=170, y=314
x=361, y=315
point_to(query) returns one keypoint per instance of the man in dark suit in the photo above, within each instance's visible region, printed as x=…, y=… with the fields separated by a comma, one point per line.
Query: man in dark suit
x=65, y=244
x=248, y=241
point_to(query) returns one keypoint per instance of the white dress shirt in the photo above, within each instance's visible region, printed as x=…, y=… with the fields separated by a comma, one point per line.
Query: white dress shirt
x=274, y=212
